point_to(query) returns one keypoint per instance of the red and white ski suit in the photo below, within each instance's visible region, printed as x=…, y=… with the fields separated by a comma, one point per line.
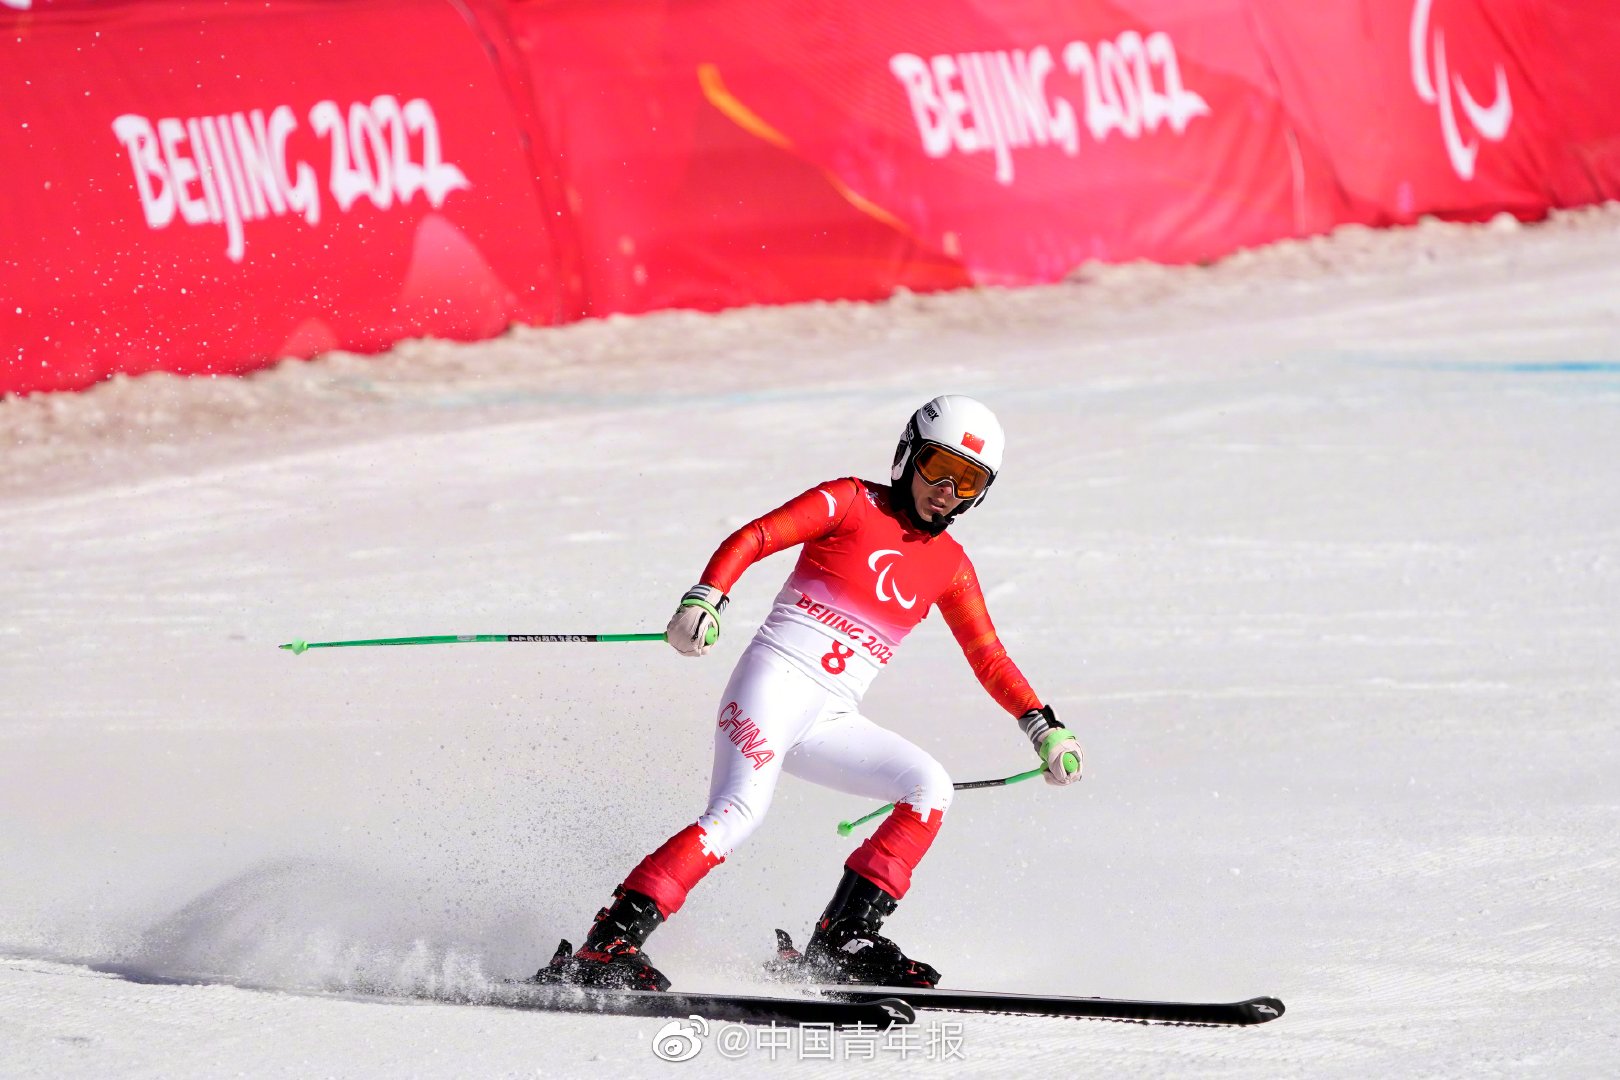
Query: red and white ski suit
x=865, y=578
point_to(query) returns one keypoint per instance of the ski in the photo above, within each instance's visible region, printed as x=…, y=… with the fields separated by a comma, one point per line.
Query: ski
x=1235, y=1013
x=879, y=1011
x=790, y=962
x=875, y=1010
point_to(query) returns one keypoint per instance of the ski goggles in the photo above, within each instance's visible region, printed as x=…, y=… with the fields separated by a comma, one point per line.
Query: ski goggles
x=936, y=464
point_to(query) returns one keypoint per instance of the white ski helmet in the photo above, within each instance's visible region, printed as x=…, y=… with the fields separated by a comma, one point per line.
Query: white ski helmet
x=960, y=426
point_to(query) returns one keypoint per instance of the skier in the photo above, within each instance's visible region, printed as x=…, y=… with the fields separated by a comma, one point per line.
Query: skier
x=875, y=559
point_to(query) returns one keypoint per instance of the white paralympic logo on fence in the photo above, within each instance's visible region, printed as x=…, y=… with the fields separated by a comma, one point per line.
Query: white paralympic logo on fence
x=1436, y=85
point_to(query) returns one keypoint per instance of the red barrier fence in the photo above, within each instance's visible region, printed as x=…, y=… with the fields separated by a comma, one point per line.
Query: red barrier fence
x=208, y=186
x=204, y=187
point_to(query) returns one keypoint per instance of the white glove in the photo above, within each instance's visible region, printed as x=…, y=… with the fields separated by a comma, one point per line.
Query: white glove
x=695, y=626
x=1056, y=745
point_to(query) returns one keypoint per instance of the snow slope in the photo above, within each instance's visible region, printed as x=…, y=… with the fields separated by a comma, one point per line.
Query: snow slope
x=1316, y=549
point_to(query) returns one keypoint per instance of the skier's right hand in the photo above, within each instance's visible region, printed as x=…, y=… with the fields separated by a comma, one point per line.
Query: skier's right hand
x=695, y=626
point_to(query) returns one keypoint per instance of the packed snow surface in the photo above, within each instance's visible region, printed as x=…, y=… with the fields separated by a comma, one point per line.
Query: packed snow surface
x=1315, y=549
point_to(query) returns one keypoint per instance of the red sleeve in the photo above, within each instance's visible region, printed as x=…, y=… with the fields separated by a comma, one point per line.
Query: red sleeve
x=816, y=513
x=963, y=609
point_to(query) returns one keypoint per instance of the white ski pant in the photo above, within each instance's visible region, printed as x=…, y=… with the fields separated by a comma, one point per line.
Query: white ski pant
x=775, y=718
x=811, y=733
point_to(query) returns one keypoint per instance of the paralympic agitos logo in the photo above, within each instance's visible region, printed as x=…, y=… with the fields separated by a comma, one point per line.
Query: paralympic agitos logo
x=884, y=584
x=1438, y=85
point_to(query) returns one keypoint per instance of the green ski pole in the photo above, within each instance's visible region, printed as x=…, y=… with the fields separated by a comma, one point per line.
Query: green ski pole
x=847, y=827
x=456, y=639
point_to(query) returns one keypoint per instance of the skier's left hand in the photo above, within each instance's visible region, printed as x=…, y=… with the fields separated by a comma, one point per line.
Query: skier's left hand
x=1056, y=744
x=1064, y=759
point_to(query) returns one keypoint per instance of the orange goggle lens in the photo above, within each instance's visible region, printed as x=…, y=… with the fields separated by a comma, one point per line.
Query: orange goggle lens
x=936, y=464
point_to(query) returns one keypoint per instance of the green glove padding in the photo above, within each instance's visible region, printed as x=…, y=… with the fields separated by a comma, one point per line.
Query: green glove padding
x=1071, y=763
x=713, y=634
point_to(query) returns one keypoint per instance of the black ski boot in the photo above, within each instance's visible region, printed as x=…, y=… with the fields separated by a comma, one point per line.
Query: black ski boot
x=611, y=958
x=847, y=948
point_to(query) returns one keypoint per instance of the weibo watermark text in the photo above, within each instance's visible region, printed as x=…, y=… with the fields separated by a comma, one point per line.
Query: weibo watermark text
x=683, y=1040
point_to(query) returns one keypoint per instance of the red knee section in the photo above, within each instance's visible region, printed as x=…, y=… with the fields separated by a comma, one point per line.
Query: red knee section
x=669, y=873
x=889, y=855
